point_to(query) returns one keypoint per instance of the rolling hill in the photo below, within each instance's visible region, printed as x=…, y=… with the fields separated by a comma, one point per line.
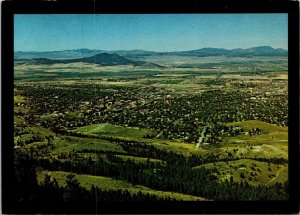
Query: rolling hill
x=103, y=59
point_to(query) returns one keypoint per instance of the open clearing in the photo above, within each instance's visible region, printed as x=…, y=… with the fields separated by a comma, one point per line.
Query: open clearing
x=109, y=130
x=271, y=143
x=107, y=183
x=266, y=127
x=133, y=134
x=252, y=171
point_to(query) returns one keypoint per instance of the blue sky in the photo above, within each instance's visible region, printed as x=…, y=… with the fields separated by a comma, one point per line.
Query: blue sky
x=153, y=32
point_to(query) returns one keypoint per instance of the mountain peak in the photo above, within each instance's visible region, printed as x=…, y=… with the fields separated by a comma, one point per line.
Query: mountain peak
x=107, y=59
x=103, y=59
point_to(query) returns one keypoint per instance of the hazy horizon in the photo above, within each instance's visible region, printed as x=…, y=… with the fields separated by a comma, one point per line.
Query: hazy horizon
x=150, y=32
x=143, y=49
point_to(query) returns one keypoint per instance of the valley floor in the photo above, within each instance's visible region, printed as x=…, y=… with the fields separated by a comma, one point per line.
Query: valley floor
x=162, y=137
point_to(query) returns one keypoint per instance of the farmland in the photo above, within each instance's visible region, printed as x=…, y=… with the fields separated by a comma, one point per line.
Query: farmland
x=175, y=128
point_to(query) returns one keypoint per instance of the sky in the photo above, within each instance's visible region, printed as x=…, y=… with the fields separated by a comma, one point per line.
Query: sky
x=152, y=32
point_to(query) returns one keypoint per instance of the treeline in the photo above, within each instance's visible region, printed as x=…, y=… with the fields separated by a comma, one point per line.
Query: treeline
x=177, y=178
x=27, y=188
x=272, y=160
x=149, y=151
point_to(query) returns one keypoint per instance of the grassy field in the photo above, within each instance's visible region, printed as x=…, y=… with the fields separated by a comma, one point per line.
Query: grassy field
x=19, y=99
x=255, y=151
x=134, y=134
x=69, y=143
x=109, y=130
x=255, y=172
x=271, y=143
x=266, y=127
x=107, y=183
x=64, y=144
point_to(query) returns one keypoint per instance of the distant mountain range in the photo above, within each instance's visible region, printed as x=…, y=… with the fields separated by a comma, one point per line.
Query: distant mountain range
x=255, y=51
x=87, y=53
x=103, y=59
